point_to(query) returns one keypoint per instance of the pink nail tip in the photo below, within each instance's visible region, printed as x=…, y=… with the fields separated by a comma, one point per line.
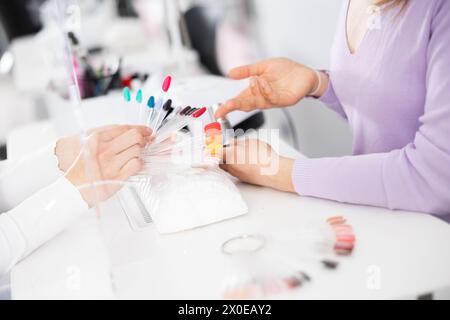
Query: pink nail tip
x=346, y=239
x=166, y=83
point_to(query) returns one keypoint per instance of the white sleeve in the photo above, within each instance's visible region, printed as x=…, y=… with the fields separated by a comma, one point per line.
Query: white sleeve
x=37, y=220
x=20, y=178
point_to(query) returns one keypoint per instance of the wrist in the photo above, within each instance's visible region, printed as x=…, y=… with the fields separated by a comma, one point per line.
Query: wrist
x=319, y=84
x=66, y=151
x=86, y=191
x=283, y=179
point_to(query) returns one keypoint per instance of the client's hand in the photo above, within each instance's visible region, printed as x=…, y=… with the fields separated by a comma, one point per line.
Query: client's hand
x=111, y=156
x=273, y=83
x=255, y=162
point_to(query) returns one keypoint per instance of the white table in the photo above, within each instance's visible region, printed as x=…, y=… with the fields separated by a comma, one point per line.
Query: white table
x=398, y=254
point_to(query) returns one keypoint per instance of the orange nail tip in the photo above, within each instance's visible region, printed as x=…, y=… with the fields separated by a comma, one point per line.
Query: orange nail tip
x=213, y=126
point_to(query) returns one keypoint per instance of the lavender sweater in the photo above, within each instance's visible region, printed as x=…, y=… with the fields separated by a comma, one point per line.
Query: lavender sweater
x=395, y=94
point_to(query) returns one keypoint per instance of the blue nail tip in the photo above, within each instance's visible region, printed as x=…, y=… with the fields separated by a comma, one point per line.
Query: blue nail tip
x=139, y=96
x=151, y=102
x=127, y=94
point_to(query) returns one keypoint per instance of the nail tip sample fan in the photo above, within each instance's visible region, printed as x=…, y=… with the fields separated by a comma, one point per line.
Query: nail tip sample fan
x=181, y=186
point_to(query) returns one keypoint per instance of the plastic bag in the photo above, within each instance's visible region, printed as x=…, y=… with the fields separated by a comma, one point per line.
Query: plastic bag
x=182, y=189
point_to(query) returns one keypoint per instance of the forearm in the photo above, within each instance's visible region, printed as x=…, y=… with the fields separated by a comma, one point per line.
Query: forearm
x=37, y=220
x=282, y=180
x=326, y=93
x=38, y=169
x=403, y=179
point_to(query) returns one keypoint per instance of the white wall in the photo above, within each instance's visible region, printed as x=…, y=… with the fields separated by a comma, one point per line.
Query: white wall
x=303, y=30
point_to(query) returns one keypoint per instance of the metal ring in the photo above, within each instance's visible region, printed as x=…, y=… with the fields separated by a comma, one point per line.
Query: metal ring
x=261, y=242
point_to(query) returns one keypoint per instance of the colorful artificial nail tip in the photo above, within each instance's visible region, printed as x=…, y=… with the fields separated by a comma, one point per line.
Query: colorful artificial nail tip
x=345, y=238
x=304, y=276
x=293, y=282
x=199, y=113
x=151, y=102
x=167, y=105
x=126, y=94
x=139, y=96
x=342, y=227
x=166, y=84
x=185, y=110
x=330, y=264
x=336, y=220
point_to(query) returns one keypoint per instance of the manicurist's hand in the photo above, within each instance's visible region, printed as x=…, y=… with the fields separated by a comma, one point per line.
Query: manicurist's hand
x=255, y=162
x=112, y=155
x=273, y=83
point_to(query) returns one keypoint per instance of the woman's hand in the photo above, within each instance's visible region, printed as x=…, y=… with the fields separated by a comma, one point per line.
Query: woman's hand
x=112, y=155
x=273, y=83
x=255, y=162
x=67, y=149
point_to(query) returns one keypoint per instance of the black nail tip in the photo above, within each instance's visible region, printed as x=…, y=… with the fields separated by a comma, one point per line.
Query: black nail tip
x=167, y=105
x=330, y=264
x=183, y=112
x=304, y=276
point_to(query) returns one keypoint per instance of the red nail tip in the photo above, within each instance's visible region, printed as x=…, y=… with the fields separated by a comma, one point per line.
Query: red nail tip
x=166, y=83
x=199, y=113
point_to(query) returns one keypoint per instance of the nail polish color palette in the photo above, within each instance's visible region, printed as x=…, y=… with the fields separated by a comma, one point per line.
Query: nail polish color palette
x=166, y=120
x=345, y=239
x=339, y=241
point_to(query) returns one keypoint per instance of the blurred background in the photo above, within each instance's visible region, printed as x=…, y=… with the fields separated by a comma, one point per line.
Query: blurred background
x=143, y=37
